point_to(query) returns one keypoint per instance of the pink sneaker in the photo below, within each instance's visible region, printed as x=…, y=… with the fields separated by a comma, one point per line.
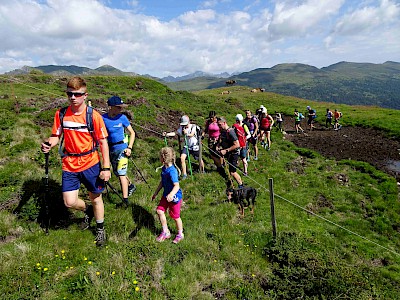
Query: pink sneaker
x=163, y=236
x=178, y=238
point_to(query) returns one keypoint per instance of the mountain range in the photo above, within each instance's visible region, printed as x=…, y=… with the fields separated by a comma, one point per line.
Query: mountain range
x=343, y=82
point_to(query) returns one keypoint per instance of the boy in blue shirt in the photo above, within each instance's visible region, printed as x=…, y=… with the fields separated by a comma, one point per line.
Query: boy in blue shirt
x=120, y=149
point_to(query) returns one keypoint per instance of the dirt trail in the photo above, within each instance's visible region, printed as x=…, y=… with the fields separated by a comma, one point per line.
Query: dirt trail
x=356, y=143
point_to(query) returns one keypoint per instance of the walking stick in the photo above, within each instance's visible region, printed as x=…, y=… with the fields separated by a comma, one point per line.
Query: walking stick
x=46, y=191
x=137, y=169
x=113, y=189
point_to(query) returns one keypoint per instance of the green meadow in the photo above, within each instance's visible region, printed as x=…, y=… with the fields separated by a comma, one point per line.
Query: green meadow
x=334, y=240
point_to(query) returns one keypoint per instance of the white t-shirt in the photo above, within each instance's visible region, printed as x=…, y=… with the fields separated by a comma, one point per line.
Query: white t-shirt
x=193, y=142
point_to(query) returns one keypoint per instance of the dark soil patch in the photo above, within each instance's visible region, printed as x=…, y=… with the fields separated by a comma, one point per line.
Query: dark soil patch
x=355, y=143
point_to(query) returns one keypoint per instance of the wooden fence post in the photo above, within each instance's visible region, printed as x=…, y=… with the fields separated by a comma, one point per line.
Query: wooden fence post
x=272, y=202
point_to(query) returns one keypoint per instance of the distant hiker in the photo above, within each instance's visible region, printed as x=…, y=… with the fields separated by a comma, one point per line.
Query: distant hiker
x=80, y=159
x=229, y=148
x=311, y=115
x=243, y=134
x=298, y=116
x=252, y=123
x=120, y=148
x=212, y=130
x=266, y=122
x=192, y=141
x=171, y=199
x=337, y=115
x=329, y=117
x=279, y=121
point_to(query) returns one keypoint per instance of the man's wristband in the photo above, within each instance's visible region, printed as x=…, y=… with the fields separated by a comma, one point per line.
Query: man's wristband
x=105, y=169
x=129, y=148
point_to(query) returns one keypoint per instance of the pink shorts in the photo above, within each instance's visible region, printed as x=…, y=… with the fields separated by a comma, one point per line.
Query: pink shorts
x=174, y=208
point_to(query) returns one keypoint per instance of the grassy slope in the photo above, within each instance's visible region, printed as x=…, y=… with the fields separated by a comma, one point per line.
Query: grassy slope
x=222, y=256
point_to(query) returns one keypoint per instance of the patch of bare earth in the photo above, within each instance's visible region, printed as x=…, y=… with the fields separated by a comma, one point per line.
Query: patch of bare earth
x=355, y=143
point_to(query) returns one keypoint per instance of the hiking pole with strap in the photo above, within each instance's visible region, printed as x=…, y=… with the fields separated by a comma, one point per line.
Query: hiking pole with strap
x=188, y=155
x=137, y=169
x=46, y=191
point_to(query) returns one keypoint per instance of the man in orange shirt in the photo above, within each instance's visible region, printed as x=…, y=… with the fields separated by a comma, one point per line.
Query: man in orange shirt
x=80, y=159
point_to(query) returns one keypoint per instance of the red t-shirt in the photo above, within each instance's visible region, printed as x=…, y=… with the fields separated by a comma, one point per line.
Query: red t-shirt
x=79, y=140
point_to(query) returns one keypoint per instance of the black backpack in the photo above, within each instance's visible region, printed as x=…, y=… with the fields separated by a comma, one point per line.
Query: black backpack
x=89, y=126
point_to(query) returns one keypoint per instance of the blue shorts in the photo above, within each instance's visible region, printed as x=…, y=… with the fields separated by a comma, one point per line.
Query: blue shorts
x=243, y=152
x=71, y=181
x=119, y=162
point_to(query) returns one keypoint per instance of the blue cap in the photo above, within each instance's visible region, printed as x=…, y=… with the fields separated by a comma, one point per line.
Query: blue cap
x=116, y=101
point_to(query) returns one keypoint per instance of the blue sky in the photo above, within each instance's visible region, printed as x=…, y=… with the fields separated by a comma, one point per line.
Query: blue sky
x=163, y=38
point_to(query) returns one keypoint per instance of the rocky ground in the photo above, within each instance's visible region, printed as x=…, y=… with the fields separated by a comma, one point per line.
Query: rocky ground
x=356, y=143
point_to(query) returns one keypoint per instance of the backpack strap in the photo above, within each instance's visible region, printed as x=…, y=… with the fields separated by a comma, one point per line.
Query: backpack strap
x=89, y=126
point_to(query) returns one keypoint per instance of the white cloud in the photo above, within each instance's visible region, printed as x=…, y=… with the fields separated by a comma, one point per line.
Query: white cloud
x=301, y=18
x=89, y=33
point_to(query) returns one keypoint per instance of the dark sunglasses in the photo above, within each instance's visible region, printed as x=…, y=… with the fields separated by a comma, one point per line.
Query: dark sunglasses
x=76, y=94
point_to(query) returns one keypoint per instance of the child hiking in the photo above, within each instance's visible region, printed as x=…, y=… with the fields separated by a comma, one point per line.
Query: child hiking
x=80, y=158
x=120, y=150
x=172, y=196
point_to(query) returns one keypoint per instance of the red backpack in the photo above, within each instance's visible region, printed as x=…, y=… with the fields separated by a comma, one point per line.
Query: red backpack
x=265, y=122
x=241, y=134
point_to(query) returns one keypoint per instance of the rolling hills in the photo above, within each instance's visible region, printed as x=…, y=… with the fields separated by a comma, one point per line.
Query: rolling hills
x=337, y=221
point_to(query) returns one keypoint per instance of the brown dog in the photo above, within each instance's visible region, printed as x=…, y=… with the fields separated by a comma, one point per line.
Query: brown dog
x=243, y=197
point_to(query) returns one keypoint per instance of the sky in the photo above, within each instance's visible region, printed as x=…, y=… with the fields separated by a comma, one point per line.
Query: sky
x=179, y=37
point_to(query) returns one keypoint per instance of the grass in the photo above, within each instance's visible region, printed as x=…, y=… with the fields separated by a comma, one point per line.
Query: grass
x=222, y=256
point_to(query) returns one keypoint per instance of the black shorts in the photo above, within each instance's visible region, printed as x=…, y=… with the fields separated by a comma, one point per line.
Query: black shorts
x=194, y=154
x=233, y=160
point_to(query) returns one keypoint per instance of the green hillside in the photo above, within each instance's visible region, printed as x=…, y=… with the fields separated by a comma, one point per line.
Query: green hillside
x=347, y=83
x=334, y=240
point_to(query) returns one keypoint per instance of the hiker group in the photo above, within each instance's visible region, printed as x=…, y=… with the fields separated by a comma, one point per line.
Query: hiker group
x=80, y=131
x=331, y=119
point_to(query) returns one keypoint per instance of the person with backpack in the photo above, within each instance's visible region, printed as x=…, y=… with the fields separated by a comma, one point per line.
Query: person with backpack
x=329, y=117
x=298, y=116
x=266, y=123
x=120, y=148
x=279, y=121
x=212, y=130
x=252, y=123
x=229, y=148
x=311, y=113
x=337, y=115
x=82, y=129
x=243, y=133
x=192, y=141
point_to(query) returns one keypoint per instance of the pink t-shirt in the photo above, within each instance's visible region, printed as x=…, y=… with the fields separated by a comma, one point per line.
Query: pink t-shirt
x=213, y=130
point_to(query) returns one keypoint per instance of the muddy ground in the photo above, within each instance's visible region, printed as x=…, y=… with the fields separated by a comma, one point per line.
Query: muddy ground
x=356, y=143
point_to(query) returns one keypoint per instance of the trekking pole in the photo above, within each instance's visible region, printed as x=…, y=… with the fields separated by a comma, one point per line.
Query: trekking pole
x=113, y=189
x=137, y=169
x=188, y=155
x=46, y=191
x=165, y=141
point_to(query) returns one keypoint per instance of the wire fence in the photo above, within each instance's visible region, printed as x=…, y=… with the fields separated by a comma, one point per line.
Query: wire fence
x=261, y=186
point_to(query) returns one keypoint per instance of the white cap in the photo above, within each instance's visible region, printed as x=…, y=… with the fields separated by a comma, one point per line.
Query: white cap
x=264, y=110
x=239, y=117
x=184, y=120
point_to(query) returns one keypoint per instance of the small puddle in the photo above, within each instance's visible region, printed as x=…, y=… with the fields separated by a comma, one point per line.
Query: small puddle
x=393, y=165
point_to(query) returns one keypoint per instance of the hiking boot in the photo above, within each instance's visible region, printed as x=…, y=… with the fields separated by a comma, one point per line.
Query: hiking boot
x=163, y=236
x=87, y=218
x=131, y=189
x=255, y=158
x=178, y=238
x=100, y=237
x=184, y=176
